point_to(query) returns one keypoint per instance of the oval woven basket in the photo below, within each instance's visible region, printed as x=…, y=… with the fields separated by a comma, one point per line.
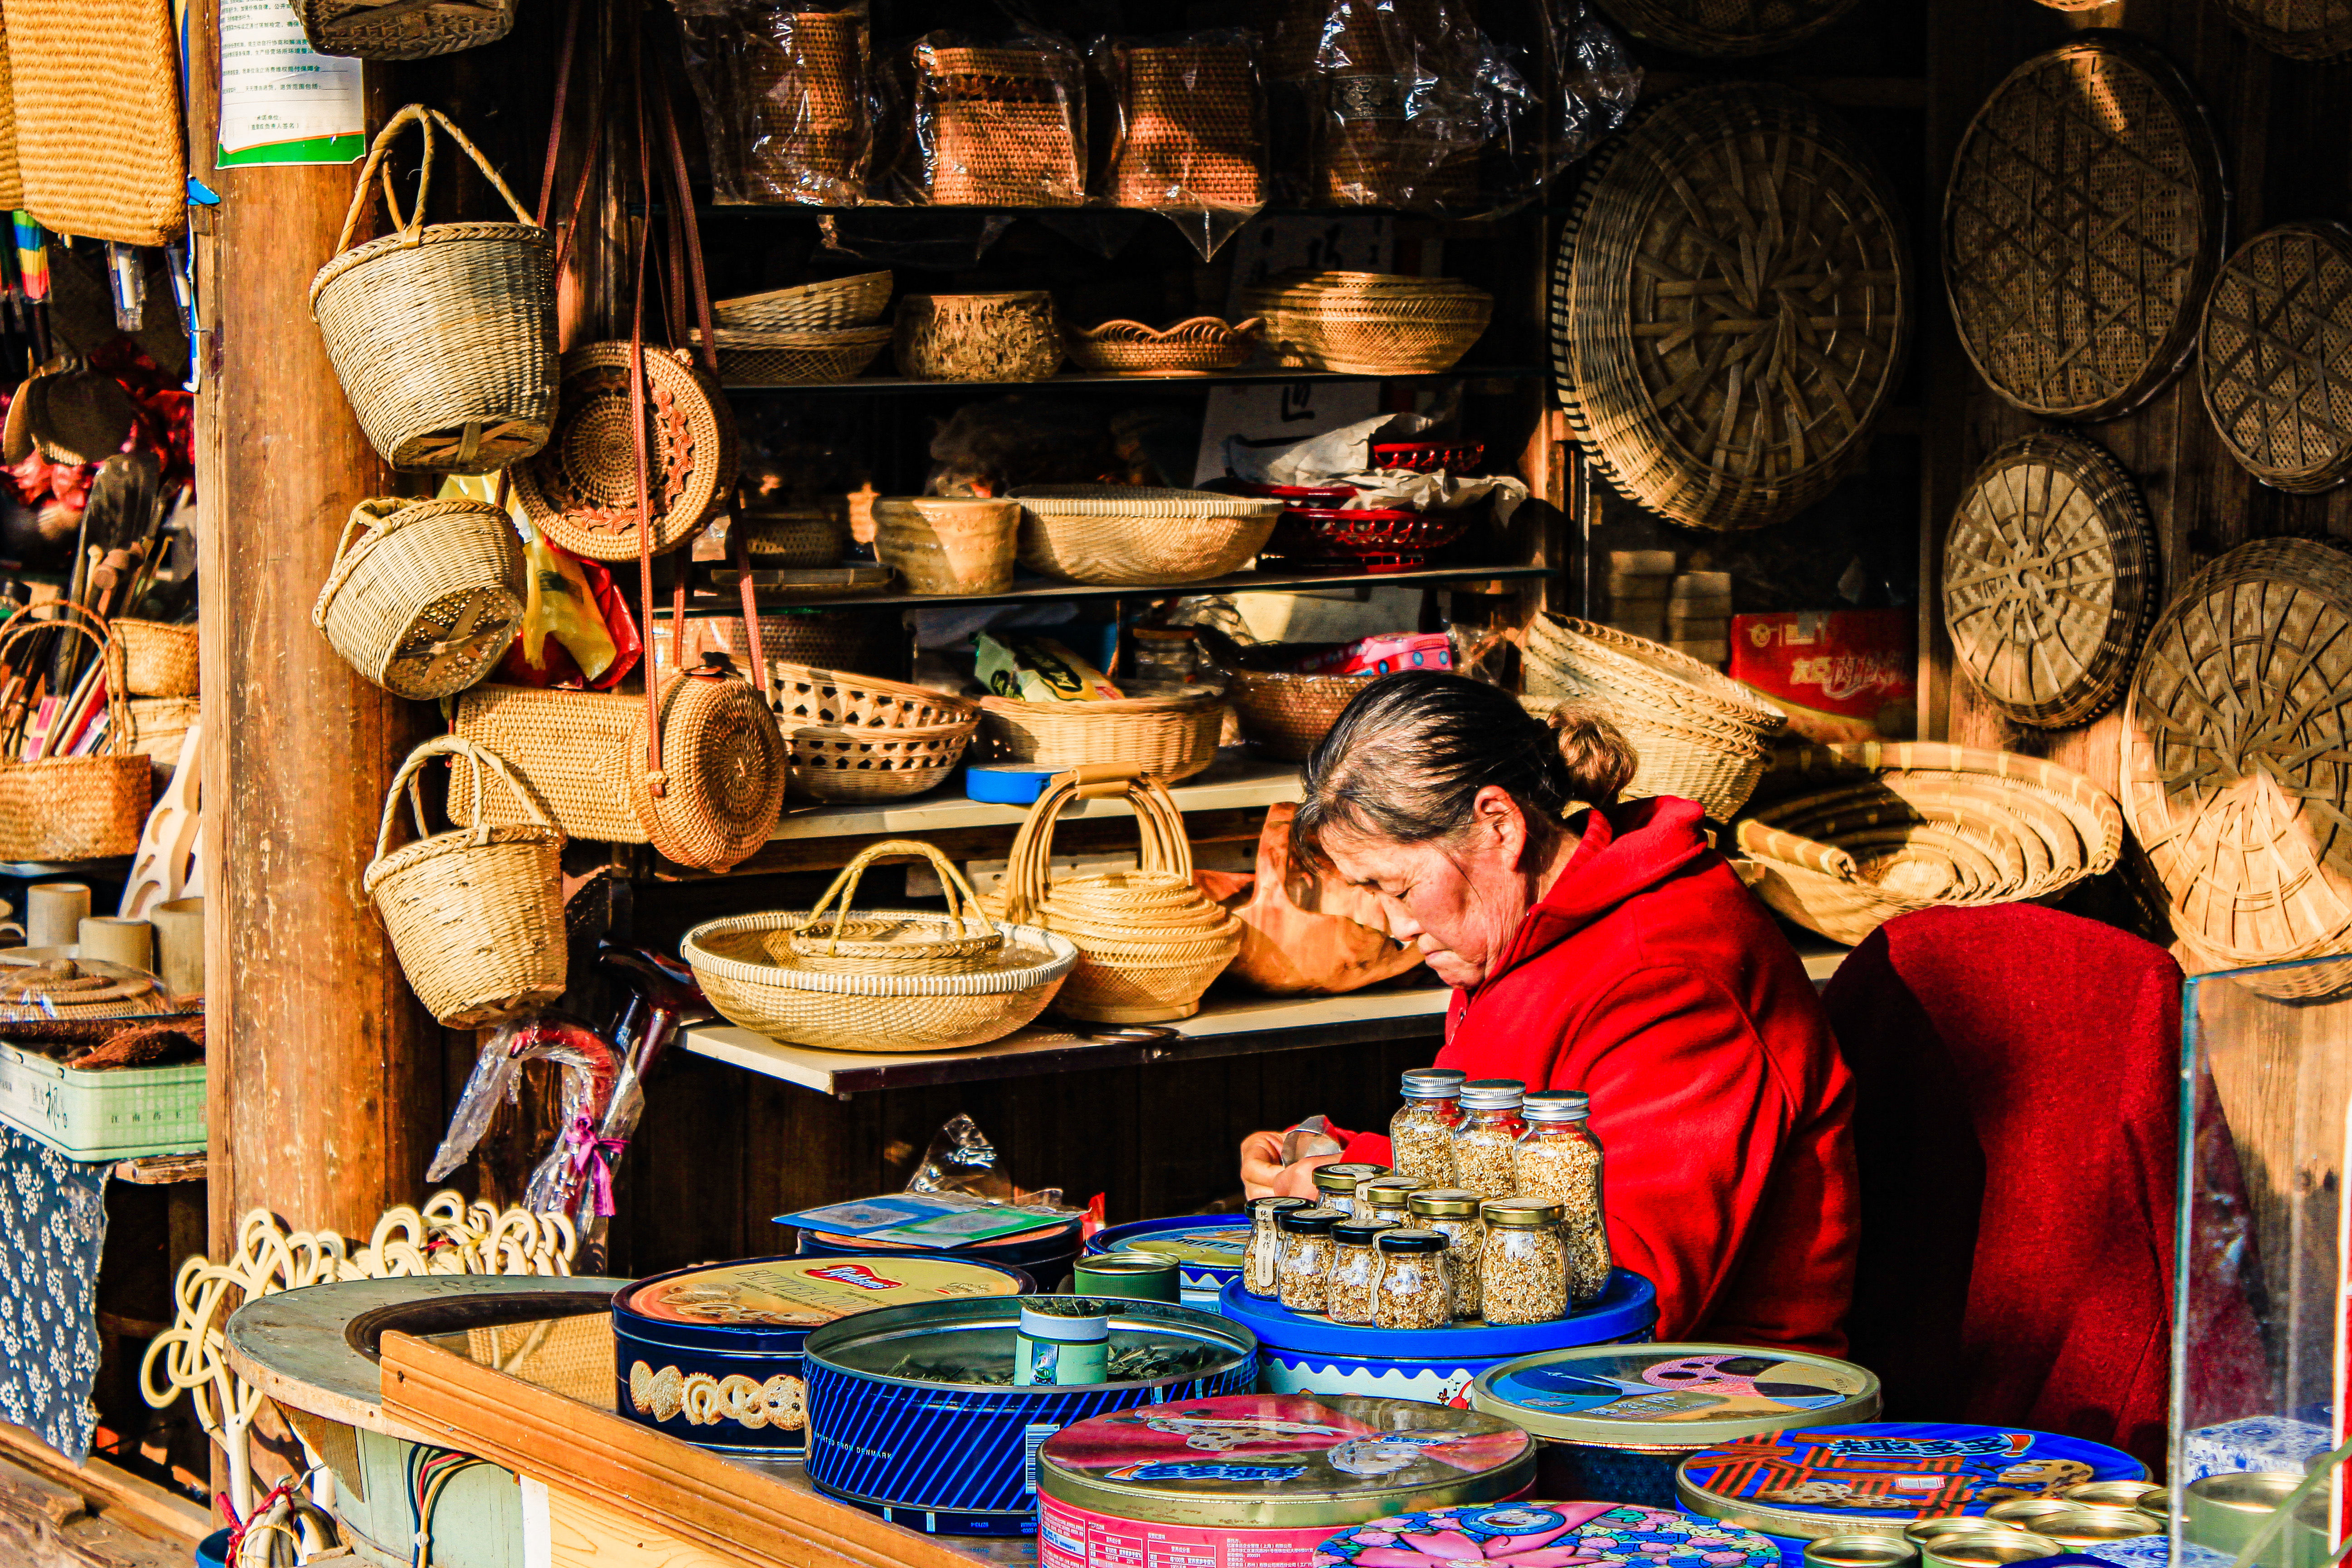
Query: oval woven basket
x=159, y=657
x=1726, y=27
x=804, y=695
x=581, y=491
x=428, y=599
x=1166, y=737
x=2299, y=29
x=2276, y=327
x=372, y=30
x=1370, y=323
x=835, y=302
x=837, y=765
x=802, y=357
x=1117, y=535
x=1285, y=715
x=1202, y=345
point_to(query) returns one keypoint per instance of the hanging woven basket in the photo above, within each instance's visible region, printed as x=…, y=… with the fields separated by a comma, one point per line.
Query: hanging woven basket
x=1726, y=27
x=2275, y=331
x=428, y=599
x=581, y=491
x=719, y=786
x=403, y=29
x=2299, y=29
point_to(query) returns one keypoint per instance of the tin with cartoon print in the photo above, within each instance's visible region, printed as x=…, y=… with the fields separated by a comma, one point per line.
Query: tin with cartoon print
x=1547, y=1535
x=1615, y=1420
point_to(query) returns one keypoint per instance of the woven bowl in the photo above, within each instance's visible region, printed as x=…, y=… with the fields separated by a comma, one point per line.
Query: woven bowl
x=1201, y=346
x=1121, y=535
x=799, y=358
x=836, y=698
x=851, y=764
x=1168, y=737
x=1284, y=716
x=1718, y=771
x=835, y=302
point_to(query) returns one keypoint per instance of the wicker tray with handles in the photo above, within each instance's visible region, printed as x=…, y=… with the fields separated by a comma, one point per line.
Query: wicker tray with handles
x=1168, y=737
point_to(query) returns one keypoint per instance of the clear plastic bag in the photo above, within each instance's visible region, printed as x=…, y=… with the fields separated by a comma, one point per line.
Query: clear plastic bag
x=574, y=1177
x=1000, y=124
x=1188, y=125
x=783, y=94
x=963, y=1162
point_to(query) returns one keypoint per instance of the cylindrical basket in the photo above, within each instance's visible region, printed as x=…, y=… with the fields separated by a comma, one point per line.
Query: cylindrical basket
x=428, y=600
x=159, y=657
x=1121, y=534
x=1163, y=737
x=1189, y=128
x=76, y=808
x=948, y=544
x=979, y=337
x=442, y=336
x=1002, y=126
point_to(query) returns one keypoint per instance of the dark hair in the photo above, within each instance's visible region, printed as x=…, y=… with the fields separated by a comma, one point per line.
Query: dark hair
x=1408, y=755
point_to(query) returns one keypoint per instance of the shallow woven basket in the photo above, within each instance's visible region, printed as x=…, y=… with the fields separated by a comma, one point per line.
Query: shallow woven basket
x=567, y=749
x=1370, y=323
x=582, y=490
x=1200, y=346
x=1907, y=825
x=1166, y=737
x=373, y=30
x=1586, y=662
x=76, y=808
x=443, y=336
x=1711, y=27
x=159, y=657
x=804, y=695
x=1149, y=941
x=835, y=302
x=476, y=914
x=948, y=544
x=1705, y=765
x=805, y=356
x=1121, y=534
x=1284, y=716
x=430, y=597
x=1013, y=336
x=834, y=764
x=2267, y=350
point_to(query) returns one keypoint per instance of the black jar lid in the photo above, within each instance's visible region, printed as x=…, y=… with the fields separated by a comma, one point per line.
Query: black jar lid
x=1309, y=1222
x=1411, y=1241
x=1357, y=1232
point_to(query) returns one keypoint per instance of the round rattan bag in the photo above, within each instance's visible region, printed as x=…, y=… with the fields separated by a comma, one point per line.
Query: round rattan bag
x=2233, y=775
x=2277, y=332
x=581, y=489
x=718, y=787
x=2049, y=571
x=1725, y=26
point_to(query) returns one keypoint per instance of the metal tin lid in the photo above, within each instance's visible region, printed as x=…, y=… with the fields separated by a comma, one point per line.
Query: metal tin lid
x=1859, y=1551
x=2089, y=1526
x=1874, y=1478
x=1520, y=1213
x=1556, y=1105
x=1411, y=1241
x=1390, y=1191
x=1067, y=1320
x=973, y=1338
x=1203, y=1244
x=1109, y=1263
x=1357, y=1232
x=771, y=1303
x=1672, y=1397
x=1492, y=1094
x=1309, y=1222
x=1626, y=1307
x=1987, y=1549
x=1342, y=1177
x=1585, y=1533
x=1275, y=1461
x=2118, y=1494
x=1433, y=1083
x=1444, y=1203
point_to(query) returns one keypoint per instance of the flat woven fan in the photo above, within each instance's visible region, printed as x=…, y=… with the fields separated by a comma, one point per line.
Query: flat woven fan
x=2237, y=769
x=2299, y=29
x=1730, y=306
x=581, y=488
x=2277, y=333
x=2049, y=569
x=2082, y=227
x=1725, y=26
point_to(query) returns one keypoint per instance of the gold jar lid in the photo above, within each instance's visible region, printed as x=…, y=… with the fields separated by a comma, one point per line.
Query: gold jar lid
x=1343, y=1178
x=1521, y=1214
x=1444, y=1203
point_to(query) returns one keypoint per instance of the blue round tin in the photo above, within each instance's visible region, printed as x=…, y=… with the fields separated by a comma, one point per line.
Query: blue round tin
x=953, y=1452
x=711, y=1354
x=1209, y=1250
x=1873, y=1478
x=1300, y=1353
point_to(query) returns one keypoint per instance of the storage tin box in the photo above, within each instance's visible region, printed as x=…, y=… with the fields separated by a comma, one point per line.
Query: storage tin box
x=123, y=1115
x=1300, y=1353
x=1549, y=1535
x=1045, y=1257
x=711, y=1354
x=1614, y=1422
x=1874, y=1478
x=1209, y=1249
x=1260, y=1480
x=956, y=1458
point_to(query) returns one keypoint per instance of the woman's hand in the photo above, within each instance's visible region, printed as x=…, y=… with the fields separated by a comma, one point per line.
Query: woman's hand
x=1264, y=1175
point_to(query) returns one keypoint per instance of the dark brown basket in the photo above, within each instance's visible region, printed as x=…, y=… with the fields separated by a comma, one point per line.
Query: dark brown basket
x=2299, y=29
x=803, y=112
x=1731, y=28
x=1189, y=128
x=1003, y=127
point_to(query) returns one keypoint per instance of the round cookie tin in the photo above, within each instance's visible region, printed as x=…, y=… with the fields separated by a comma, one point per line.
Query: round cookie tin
x=1209, y=1250
x=1615, y=1420
x=1547, y=1535
x=712, y=1354
x=1045, y=1256
x=913, y=1413
x=1302, y=1353
x=1260, y=1479
x=1873, y=1478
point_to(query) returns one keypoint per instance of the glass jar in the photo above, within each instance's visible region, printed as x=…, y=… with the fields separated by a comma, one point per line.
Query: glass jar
x=1166, y=656
x=1420, y=1135
x=1560, y=1161
x=1412, y=1292
x=1382, y=1201
x=1453, y=1212
x=1304, y=1274
x=1522, y=1268
x=1355, y=1269
x=1338, y=1182
x=1262, y=1265
x=1487, y=1140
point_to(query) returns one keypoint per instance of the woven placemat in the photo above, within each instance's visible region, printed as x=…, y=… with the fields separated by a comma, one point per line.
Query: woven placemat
x=1730, y=305
x=2082, y=227
x=2299, y=29
x=2277, y=330
x=1725, y=26
x=2049, y=572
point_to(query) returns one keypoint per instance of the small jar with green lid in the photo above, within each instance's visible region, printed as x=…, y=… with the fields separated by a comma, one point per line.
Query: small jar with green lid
x=1420, y=1135
x=1413, y=1291
x=1355, y=1269
x=1261, y=1263
x=1338, y=1182
x=1382, y=1201
x=1487, y=1140
x=1305, y=1272
x=1522, y=1268
x=1453, y=1212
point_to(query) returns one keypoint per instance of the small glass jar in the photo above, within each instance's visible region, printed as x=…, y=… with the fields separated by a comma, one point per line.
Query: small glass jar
x=1262, y=1265
x=1166, y=656
x=1382, y=1201
x=1420, y=1135
x=1305, y=1272
x=1453, y=1212
x=1338, y=1184
x=1560, y=1161
x=1413, y=1291
x=1522, y=1268
x=1355, y=1269
x=1487, y=1140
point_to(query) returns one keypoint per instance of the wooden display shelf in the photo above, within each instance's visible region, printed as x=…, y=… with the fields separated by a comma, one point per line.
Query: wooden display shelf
x=1226, y=785
x=1272, y=580
x=1275, y=377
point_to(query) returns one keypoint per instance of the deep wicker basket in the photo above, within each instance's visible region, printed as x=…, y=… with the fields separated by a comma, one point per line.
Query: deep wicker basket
x=1004, y=126
x=1121, y=534
x=948, y=544
x=430, y=597
x=1200, y=346
x=159, y=657
x=1285, y=715
x=1369, y=324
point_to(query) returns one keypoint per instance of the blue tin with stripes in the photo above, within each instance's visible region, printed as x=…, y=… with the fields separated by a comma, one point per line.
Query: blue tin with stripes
x=1209, y=1250
x=912, y=1413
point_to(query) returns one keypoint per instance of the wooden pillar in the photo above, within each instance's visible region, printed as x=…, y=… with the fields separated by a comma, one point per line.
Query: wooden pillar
x=325, y=1082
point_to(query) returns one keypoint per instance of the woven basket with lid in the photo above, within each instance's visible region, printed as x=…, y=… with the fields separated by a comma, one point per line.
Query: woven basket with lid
x=2277, y=326
x=1118, y=534
x=428, y=599
x=582, y=490
x=1726, y=27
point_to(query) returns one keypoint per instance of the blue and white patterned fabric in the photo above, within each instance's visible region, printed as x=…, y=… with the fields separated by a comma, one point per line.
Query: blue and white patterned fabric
x=2252, y=1443
x=52, y=1228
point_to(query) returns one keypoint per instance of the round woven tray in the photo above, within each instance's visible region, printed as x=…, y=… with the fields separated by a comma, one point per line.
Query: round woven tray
x=2049, y=574
x=835, y=302
x=1725, y=26
x=2299, y=29
x=2082, y=226
x=2234, y=735
x=1730, y=306
x=2277, y=326
x=581, y=488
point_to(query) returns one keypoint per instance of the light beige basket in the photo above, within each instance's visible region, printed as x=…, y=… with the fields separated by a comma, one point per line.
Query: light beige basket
x=1119, y=535
x=1167, y=737
x=476, y=914
x=881, y=1007
x=570, y=749
x=804, y=695
x=1718, y=771
x=835, y=302
x=833, y=765
x=159, y=731
x=428, y=599
x=963, y=939
x=948, y=544
x=1370, y=323
x=95, y=86
x=159, y=657
x=76, y=808
x=799, y=357
x=1149, y=941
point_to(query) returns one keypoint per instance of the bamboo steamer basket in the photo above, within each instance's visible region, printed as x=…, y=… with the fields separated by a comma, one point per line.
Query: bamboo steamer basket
x=979, y=337
x=1149, y=941
x=476, y=913
x=428, y=600
x=159, y=659
x=76, y=808
x=948, y=544
x=1121, y=535
x=1169, y=736
x=885, y=1007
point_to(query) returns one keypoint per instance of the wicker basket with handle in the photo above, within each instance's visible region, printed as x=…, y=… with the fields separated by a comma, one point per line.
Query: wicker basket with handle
x=962, y=940
x=428, y=599
x=159, y=657
x=443, y=336
x=476, y=914
x=1117, y=534
x=76, y=808
x=393, y=30
x=1169, y=736
x=1149, y=941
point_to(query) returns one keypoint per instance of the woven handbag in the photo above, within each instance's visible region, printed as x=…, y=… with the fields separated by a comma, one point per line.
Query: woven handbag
x=566, y=748
x=581, y=491
x=429, y=598
x=443, y=335
x=476, y=914
x=707, y=783
x=95, y=90
x=400, y=30
x=76, y=808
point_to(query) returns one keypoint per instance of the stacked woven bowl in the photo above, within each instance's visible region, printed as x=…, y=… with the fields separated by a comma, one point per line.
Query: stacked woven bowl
x=857, y=737
x=815, y=332
x=1370, y=323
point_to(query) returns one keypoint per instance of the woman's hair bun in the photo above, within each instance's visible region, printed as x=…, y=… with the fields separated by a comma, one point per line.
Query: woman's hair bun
x=1600, y=762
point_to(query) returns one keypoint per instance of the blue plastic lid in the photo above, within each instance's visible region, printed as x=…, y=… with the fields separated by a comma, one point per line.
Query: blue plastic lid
x=1626, y=1307
x=1006, y=784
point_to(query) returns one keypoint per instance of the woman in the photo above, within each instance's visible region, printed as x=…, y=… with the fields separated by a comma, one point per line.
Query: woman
x=1605, y=947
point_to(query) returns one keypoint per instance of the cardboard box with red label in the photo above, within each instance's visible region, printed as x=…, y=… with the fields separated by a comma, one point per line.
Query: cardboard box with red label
x=1840, y=675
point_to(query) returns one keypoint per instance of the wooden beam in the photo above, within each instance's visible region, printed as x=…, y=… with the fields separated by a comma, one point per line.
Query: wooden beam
x=104, y=1489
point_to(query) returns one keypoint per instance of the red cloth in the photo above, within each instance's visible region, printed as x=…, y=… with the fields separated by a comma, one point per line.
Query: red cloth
x=2017, y=1084
x=1649, y=978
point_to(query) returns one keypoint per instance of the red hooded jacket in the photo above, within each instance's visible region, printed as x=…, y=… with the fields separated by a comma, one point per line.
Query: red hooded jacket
x=1650, y=978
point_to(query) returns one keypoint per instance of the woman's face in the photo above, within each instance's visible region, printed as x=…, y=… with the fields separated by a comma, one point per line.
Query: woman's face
x=1458, y=898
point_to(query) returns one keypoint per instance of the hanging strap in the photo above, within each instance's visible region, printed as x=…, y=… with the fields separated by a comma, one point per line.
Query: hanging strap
x=657, y=780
